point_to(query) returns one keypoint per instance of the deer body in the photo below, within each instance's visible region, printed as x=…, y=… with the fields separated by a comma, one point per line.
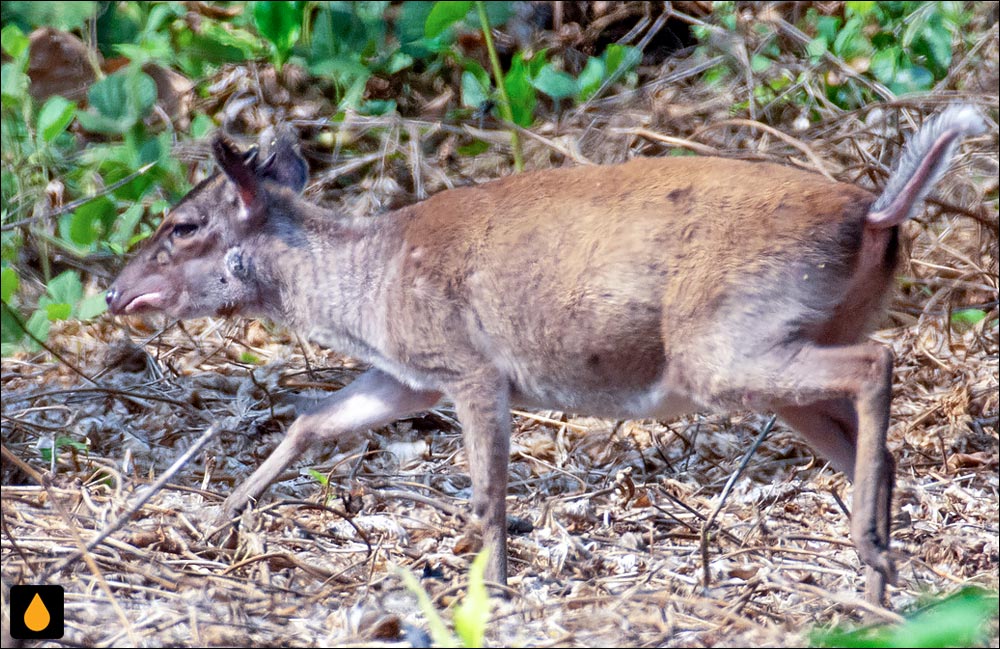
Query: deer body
x=643, y=290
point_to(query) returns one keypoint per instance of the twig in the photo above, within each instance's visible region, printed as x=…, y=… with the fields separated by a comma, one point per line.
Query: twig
x=69, y=207
x=45, y=482
x=150, y=491
x=697, y=147
x=817, y=162
x=17, y=320
x=725, y=494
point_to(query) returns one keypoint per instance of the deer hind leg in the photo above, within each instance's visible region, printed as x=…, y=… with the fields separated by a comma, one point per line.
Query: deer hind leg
x=838, y=398
x=831, y=429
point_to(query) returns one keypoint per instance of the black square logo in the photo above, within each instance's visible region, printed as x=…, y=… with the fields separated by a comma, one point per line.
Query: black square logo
x=36, y=612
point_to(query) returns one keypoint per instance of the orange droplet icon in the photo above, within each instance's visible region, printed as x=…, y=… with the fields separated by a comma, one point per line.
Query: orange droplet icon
x=36, y=617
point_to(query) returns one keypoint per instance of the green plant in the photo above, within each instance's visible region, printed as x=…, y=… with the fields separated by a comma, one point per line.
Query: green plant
x=104, y=189
x=959, y=620
x=516, y=90
x=905, y=46
x=60, y=443
x=469, y=618
x=281, y=24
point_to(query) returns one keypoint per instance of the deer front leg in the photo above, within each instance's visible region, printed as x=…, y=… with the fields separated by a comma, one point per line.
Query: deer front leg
x=482, y=403
x=374, y=399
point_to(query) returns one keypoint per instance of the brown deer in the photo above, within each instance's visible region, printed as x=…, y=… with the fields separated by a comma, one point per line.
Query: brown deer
x=647, y=289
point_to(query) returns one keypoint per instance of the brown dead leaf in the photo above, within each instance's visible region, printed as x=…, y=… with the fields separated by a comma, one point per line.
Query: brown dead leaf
x=971, y=460
x=468, y=544
x=59, y=64
x=743, y=572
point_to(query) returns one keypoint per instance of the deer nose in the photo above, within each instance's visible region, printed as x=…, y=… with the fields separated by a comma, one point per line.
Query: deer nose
x=110, y=296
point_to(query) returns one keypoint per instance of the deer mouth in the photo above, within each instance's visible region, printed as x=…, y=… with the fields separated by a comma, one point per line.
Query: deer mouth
x=144, y=302
x=140, y=298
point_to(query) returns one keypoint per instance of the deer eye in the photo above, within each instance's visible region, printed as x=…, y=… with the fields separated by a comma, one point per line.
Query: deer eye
x=182, y=230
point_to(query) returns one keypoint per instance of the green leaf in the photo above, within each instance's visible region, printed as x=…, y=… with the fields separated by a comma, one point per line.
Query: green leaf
x=412, y=22
x=120, y=100
x=55, y=116
x=521, y=92
x=156, y=48
x=201, y=126
x=38, y=325
x=65, y=16
x=851, y=41
x=861, y=9
x=590, y=78
x=934, y=44
x=13, y=85
x=378, y=107
x=474, y=94
x=816, y=48
x=97, y=123
x=620, y=59
x=68, y=442
x=473, y=614
x=554, y=83
x=58, y=311
x=198, y=52
x=91, y=307
x=9, y=283
x=10, y=331
x=398, y=62
x=967, y=317
x=473, y=148
x=124, y=226
x=912, y=78
x=319, y=477
x=65, y=287
x=827, y=28
x=443, y=15
x=498, y=13
x=88, y=221
x=410, y=28
x=760, y=63
x=884, y=64
x=280, y=23
x=959, y=620
x=13, y=41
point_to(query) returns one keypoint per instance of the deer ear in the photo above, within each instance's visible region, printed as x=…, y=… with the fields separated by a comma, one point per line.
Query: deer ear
x=283, y=162
x=241, y=168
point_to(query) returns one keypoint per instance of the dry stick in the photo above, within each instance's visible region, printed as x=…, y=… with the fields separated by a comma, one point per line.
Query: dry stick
x=725, y=494
x=152, y=490
x=45, y=482
x=574, y=155
x=697, y=147
x=788, y=139
x=41, y=343
x=69, y=207
x=616, y=74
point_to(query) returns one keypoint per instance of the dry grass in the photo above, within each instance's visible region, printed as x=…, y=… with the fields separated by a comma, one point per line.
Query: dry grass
x=617, y=508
